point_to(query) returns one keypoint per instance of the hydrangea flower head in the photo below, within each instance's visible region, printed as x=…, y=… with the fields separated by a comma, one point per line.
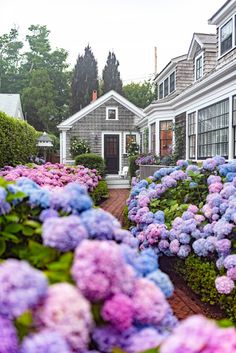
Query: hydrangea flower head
x=8, y=336
x=45, y=342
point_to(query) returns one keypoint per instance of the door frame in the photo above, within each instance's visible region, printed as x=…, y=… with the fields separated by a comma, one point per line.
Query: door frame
x=120, y=145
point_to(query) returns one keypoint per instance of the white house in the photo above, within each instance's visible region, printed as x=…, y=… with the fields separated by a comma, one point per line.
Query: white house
x=11, y=105
x=198, y=90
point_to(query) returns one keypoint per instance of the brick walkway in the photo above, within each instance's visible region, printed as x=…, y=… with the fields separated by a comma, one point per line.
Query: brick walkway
x=184, y=302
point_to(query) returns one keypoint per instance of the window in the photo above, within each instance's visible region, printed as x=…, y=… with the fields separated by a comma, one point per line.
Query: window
x=153, y=138
x=172, y=82
x=213, y=129
x=161, y=91
x=234, y=123
x=198, y=67
x=111, y=113
x=166, y=87
x=226, y=37
x=192, y=135
x=128, y=139
x=165, y=137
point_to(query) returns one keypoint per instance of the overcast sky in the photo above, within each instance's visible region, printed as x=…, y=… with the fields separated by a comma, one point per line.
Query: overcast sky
x=131, y=28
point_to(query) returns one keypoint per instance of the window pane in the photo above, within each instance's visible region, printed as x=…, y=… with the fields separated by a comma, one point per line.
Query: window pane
x=111, y=114
x=226, y=36
x=166, y=87
x=172, y=82
x=161, y=91
x=213, y=130
x=129, y=138
x=165, y=137
x=198, y=68
x=153, y=138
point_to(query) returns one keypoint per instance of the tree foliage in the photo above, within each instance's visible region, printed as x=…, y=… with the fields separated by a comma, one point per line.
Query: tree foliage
x=140, y=94
x=20, y=73
x=84, y=80
x=111, y=75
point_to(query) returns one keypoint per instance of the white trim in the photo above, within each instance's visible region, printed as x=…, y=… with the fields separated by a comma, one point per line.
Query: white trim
x=60, y=147
x=63, y=146
x=107, y=113
x=68, y=123
x=231, y=132
x=158, y=140
x=120, y=145
x=130, y=133
x=232, y=17
x=195, y=67
x=222, y=13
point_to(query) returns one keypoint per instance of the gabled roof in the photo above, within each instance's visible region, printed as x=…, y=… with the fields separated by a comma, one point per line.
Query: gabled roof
x=68, y=123
x=204, y=40
x=222, y=13
x=171, y=64
x=11, y=104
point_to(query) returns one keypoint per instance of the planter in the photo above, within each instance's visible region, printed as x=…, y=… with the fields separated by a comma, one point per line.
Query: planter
x=149, y=170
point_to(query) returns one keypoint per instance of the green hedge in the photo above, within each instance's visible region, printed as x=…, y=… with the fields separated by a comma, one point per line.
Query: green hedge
x=100, y=193
x=133, y=167
x=92, y=161
x=200, y=275
x=17, y=141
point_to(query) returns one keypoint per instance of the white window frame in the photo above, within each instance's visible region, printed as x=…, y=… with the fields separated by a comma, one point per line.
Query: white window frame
x=195, y=73
x=107, y=113
x=130, y=133
x=233, y=18
x=174, y=72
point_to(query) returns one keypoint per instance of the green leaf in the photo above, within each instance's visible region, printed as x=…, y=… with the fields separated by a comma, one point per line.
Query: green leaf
x=27, y=231
x=23, y=324
x=117, y=350
x=225, y=323
x=17, y=195
x=9, y=236
x=2, y=246
x=12, y=218
x=13, y=228
x=32, y=224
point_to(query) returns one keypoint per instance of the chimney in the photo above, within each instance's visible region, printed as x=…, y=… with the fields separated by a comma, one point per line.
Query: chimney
x=94, y=95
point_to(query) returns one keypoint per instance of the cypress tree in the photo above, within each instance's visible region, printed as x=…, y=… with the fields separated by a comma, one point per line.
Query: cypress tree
x=84, y=80
x=111, y=75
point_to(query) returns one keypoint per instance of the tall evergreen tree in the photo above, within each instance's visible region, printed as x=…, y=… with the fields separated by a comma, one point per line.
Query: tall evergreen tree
x=111, y=75
x=84, y=80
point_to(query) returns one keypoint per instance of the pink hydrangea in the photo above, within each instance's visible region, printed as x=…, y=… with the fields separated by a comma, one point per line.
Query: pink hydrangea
x=224, y=284
x=231, y=273
x=66, y=311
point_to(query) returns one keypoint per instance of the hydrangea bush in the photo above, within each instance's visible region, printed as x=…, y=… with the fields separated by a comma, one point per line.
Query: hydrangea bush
x=189, y=209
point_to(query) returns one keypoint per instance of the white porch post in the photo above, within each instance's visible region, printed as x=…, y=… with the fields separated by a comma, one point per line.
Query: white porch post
x=61, y=142
x=63, y=146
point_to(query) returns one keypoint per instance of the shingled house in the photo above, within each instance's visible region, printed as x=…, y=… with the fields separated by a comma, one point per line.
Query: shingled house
x=198, y=92
x=108, y=124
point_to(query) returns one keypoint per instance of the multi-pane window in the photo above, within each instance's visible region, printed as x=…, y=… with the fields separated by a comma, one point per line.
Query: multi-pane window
x=213, y=130
x=166, y=132
x=166, y=87
x=129, y=138
x=172, y=82
x=226, y=37
x=199, y=67
x=234, y=123
x=112, y=113
x=192, y=135
x=161, y=91
x=153, y=138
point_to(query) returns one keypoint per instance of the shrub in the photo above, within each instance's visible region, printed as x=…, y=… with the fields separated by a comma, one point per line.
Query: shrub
x=100, y=192
x=133, y=167
x=78, y=146
x=92, y=161
x=133, y=149
x=18, y=141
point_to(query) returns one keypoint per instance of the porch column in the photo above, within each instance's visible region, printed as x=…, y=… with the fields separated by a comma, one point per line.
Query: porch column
x=231, y=133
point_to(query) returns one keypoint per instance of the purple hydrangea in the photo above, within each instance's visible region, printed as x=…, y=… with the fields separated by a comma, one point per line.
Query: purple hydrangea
x=143, y=340
x=63, y=233
x=5, y=207
x=8, y=336
x=224, y=284
x=230, y=261
x=100, y=270
x=21, y=291
x=45, y=342
x=231, y=273
x=48, y=213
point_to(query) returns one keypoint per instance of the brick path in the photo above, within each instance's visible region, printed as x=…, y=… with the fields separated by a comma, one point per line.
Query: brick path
x=184, y=302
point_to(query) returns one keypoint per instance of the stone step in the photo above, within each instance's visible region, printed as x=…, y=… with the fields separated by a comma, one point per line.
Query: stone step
x=117, y=183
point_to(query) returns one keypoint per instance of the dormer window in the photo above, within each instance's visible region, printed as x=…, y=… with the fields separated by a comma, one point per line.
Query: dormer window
x=166, y=87
x=111, y=113
x=198, y=67
x=226, y=37
x=172, y=82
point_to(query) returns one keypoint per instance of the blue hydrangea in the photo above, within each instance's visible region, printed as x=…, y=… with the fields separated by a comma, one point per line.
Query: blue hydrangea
x=143, y=262
x=44, y=342
x=162, y=281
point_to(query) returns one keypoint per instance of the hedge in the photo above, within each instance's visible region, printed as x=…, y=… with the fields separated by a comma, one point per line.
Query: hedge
x=133, y=167
x=17, y=141
x=100, y=193
x=91, y=161
x=200, y=274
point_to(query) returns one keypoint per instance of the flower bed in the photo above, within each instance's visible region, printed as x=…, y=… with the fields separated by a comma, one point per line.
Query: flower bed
x=53, y=175
x=189, y=209
x=96, y=293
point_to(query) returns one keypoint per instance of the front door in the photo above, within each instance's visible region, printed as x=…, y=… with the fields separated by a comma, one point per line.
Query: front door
x=111, y=153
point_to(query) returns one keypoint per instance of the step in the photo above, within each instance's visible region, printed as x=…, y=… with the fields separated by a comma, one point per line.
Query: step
x=117, y=183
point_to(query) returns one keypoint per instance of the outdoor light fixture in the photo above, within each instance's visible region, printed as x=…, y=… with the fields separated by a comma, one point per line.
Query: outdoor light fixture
x=44, y=141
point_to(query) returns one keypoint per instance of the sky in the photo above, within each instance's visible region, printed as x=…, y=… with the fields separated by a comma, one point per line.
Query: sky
x=130, y=28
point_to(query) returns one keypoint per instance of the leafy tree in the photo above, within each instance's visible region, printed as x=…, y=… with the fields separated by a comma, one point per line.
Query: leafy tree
x=84, y=80
x=140, y=94
x=10, y=61
x=111, y=75
x=38, y=101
